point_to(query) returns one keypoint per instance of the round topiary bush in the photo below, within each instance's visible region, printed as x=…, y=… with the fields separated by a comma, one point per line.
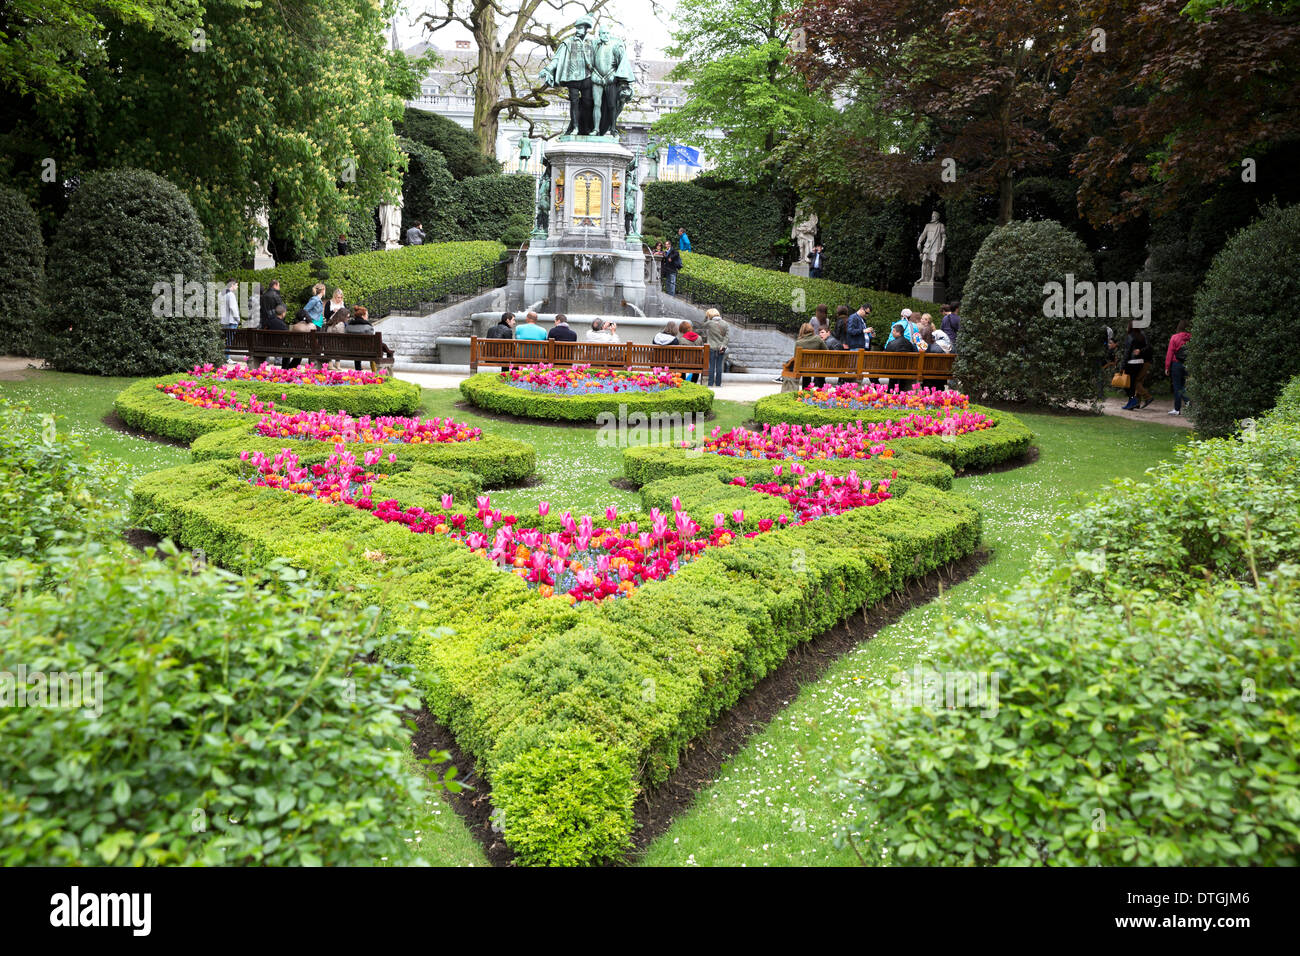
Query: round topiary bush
x=22, y=274
x=1235, y=369
x=1010, y=350
x=127, y=235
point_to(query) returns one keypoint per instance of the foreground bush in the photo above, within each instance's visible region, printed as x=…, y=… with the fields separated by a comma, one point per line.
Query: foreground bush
x=783, y=300
x=53, y=491
x=1234, y=368
x=125, y=231
x=1153, y=733
x=22, y=274
x=1009, y=350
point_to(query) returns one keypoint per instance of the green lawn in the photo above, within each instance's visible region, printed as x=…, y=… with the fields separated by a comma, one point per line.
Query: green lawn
x=766, y=806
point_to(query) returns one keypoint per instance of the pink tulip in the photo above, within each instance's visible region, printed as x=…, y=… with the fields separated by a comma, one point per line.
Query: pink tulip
x=447, y=501
x=738, y=516
x=543, y=508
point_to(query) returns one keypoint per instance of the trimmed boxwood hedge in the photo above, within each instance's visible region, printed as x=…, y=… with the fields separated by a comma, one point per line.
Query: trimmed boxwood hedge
x=491, y=391
x=1008, y=440
x=496, y=460
x=569, y=711
x=141, y=405
x=781, y=299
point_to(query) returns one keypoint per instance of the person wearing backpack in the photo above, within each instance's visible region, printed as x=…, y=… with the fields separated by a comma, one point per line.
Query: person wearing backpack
x=1176, y=365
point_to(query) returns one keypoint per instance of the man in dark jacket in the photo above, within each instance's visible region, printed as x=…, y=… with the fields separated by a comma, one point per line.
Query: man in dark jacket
x=269, y=301
x=561, y=332
x=816, y=262
x=856, y=333
x=505, y=329
x=275, y=322
x=672, y=265
x=951, y=323
x=898, y=342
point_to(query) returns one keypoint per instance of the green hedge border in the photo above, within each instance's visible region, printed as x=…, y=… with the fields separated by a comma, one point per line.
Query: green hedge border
x=551, y=700
x=494, y=459
x=141, y=405
x=1008, y=440
x=488, y=390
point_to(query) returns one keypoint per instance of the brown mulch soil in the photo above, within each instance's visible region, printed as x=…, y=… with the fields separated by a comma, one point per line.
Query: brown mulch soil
x=114, y=421
x=624, y=484
x=658, y=808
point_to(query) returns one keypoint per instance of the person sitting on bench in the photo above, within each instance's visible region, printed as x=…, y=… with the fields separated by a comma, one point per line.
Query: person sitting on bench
x=301, y=323
x=359, y=324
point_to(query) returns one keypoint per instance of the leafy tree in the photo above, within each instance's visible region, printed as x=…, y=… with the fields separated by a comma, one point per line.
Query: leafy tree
x=734, y=52
x=1010, y=351
x=22, y=274
x=511, y=41
x=1160, y=112
x=126, y=231
x=458, y=146
x=976, y=78
x=1234, y=371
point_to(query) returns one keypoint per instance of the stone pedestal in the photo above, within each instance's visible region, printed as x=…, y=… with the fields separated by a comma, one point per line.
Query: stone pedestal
x=799, y=269
x=929, y=292
x=586, y=263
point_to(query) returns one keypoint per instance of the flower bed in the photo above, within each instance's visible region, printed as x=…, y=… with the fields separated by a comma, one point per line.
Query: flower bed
x=306, y=374
x=857, y=441
x=1006, y=440
x=184, y=406
x=342, y=428
x=586, y=380
x=568, y=711
x=872, y=396
x=584, y=394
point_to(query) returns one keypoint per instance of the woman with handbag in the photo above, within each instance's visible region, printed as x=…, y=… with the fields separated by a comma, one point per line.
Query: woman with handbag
x=1138, y=361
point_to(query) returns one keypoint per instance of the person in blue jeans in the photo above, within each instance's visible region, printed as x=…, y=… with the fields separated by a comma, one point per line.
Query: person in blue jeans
x=718, y=333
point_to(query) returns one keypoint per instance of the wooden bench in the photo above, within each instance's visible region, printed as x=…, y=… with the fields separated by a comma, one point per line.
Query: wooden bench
x=683, y=359
x=317, y=347
x=860, y=364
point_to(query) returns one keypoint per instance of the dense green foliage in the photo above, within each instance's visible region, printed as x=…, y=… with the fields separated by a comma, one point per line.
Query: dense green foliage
x=365, y=274
x=491, y=391
x=780, y=299
x=724, y=219
x=54, y=492
x=1235, y=371
x=22, y=274
x=126, y=231
x=1011, y=351
x=1146, y=709
x=455, y=144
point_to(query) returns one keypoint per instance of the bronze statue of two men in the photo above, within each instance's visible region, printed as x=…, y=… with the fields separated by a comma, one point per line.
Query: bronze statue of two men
x=598, y=75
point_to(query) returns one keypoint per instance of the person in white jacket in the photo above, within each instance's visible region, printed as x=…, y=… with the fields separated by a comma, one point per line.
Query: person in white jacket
x=603, y=331
x=229, y=313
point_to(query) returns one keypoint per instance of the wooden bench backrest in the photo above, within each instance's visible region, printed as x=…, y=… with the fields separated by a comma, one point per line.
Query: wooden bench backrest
x=860, y=364
x=622, y=355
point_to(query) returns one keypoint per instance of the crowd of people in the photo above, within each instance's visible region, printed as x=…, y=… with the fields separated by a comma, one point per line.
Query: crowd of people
x=269, y=311
x=715, y=333
x=1130, y=364
x=850, y=331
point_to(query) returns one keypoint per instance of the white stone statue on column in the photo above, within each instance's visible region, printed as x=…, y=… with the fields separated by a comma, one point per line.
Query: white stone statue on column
x=262, y=258
x=804, y=232
x=390, y=224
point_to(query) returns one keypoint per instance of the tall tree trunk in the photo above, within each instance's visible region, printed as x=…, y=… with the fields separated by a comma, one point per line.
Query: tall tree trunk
x=1006, y=199
x=487, y=81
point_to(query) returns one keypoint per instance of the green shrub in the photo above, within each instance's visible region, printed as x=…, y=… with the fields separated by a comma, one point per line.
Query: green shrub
x=429, y=193
x=22, y=274
x=1149, y=733
x=780, y=299
x=1009, y=350
x=1007, y=440
x=491, y=391
x=1287, y=409
x=54, y=492
x=125, y=231
x=457, y=145
x=517, y=232
x=141, y=405
x=1235, y=370
x=567, y=711
x=485, y=205
x=240, y=725
x=729, y=220
x=365, y=274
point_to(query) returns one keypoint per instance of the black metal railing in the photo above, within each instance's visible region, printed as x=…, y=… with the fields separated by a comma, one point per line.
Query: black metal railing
x=410, y=299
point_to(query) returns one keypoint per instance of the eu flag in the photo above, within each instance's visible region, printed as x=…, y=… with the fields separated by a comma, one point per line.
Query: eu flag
x=683, y=156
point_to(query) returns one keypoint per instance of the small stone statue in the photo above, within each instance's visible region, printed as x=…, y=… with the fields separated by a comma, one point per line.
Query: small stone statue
x=525, y=151
x=629, y=205
x=262, y=258
x=544, y=199
x=931, y=245
x=390, y=224
x=804, y=231
x=652, y=154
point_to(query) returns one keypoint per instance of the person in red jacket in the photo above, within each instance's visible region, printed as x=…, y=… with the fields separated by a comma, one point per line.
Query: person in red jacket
x=1176, y=365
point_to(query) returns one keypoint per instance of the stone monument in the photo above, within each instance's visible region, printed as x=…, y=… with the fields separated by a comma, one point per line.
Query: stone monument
x=930, y=244
x=390, y=225
x=585, y=256
x=804, y=233
x=262, y=258
x=525, y=151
